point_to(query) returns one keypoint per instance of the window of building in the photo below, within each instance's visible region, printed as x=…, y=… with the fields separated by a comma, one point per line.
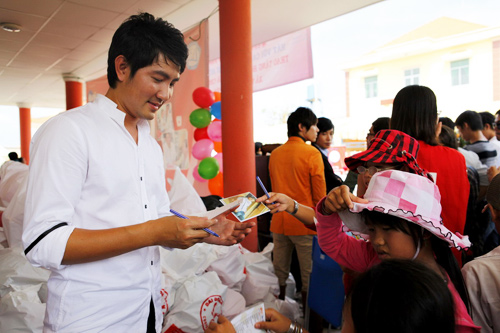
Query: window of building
x=371, y=86
x=459, y=72
x=412, y=76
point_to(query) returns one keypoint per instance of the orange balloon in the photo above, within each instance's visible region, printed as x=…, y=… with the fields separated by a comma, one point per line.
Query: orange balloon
x=216, y=185
x=217, y=96
x=218, y=146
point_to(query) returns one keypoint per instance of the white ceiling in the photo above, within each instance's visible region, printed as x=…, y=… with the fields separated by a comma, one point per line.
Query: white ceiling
x=73, y=36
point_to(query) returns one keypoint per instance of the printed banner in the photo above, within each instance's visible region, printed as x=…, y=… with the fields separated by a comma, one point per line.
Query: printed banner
x=278, y=62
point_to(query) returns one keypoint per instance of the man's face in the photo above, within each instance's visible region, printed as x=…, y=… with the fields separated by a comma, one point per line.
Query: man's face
x=309, y=134
x=464, y=131
x=497, y=128
x=324, y=139
x=370, y=136
x=151, y=86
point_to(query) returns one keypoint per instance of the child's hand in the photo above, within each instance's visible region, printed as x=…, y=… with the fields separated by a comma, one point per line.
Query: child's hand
x=339, y=199
x=275, y=321
x=278, y=202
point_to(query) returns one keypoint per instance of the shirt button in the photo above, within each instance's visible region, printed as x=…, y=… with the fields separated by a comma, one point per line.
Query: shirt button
x=146, y=206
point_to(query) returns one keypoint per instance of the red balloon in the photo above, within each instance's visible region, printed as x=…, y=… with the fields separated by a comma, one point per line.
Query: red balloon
x=200, y=134
x=216, y=185
x=203, y=97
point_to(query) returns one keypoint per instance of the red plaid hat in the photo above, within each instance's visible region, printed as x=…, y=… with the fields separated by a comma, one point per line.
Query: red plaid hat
x=389, y=147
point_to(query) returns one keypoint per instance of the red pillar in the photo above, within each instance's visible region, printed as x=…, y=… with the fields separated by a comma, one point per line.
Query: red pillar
x=74, y=91
x=236, y=87
x=25, y=130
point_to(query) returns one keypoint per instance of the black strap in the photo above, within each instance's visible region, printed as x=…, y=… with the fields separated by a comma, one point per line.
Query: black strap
x=32, y=245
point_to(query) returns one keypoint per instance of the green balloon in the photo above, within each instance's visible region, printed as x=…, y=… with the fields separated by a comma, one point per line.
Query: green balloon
x=208, y=168
x=200, y=118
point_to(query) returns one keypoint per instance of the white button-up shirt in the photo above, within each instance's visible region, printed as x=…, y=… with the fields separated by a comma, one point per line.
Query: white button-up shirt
x=87, y=171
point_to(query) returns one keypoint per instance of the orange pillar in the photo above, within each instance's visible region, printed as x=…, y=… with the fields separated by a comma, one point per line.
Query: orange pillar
x=74, y=91
x=236, y=87
x=25, y=130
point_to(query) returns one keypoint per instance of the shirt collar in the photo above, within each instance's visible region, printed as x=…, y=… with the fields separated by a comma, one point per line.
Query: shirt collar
x=111, y=109
x=297, y=139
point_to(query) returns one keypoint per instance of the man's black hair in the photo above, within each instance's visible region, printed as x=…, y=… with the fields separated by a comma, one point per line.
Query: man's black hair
x=487, y=118
x=447, y=122
x=13, y=156
x=325, y=124
x=472, y=118
x=302, y=115
x=141, y=39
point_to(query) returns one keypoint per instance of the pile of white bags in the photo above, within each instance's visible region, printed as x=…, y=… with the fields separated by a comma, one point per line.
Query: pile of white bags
x=205, y=281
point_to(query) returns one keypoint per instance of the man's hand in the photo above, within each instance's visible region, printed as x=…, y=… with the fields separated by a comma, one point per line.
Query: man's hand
x=339, y=199
x=230, y=232
x=223, y=326
x=175, y=232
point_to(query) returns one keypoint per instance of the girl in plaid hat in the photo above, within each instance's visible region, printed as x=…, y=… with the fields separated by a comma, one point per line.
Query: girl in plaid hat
x=400, y=214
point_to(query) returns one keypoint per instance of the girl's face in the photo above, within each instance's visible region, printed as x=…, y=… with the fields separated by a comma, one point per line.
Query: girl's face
x=390, y=243
x=372, y=168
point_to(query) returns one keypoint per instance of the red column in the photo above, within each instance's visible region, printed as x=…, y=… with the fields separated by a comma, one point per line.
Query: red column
x=25, y=130
x=236, y=87
x=74, y=91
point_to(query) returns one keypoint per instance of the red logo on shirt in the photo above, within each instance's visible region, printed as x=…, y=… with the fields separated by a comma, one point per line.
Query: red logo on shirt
x=210, y=310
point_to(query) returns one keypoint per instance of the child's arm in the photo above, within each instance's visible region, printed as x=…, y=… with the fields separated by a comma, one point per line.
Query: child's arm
x=347, y=251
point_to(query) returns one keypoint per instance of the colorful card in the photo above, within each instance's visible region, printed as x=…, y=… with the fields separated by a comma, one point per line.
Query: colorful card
x=248, y=208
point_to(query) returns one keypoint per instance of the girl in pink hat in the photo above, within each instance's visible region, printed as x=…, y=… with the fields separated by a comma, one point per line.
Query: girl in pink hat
x=401, y=216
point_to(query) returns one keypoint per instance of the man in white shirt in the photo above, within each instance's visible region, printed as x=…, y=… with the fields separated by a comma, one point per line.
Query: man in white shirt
x=96, y=206
x=482, y=275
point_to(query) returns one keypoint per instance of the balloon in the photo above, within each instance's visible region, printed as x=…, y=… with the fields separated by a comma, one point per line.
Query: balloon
x=197, y=176
x=208, y=168
x=200, y=118
x=218, y=157
x=217, y=96
x=216, y=185
x=215, y=110
x=200, y=133
x=218, y=146
x=214, y=131
x=202, y=149
x=203, y=97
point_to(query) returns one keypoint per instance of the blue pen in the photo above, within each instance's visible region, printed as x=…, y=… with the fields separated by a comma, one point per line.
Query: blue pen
x=183, y=217
x=263, y=188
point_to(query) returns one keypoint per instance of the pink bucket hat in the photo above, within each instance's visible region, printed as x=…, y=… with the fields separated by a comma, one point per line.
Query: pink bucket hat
x=408, y=196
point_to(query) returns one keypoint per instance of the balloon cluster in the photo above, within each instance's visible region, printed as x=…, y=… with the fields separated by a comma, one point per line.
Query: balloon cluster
x=208, y=137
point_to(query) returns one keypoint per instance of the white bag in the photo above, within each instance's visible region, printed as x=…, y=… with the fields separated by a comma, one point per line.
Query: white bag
x=197, y=302
x=181, y=264
x=13, y=216
x=183, y=196
x=22, y=311
x=261, y=280
x=230, y=266
x=233, y=305
x=16, y=271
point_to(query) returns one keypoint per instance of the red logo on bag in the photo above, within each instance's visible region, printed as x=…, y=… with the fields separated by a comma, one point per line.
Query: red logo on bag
x=164, y=307
x=210, y=310
x=174, y=329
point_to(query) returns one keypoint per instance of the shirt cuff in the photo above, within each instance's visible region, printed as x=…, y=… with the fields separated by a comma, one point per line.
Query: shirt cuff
x=49, y=252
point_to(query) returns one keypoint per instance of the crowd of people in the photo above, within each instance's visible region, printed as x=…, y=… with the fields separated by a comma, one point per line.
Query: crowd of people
x=420, y=189
x=97, y=208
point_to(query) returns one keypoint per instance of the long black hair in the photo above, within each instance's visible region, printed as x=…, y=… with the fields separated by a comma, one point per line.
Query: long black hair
x=442, y=252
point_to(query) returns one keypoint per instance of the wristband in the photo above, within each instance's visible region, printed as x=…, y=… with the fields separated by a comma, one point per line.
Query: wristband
x=295, y=208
